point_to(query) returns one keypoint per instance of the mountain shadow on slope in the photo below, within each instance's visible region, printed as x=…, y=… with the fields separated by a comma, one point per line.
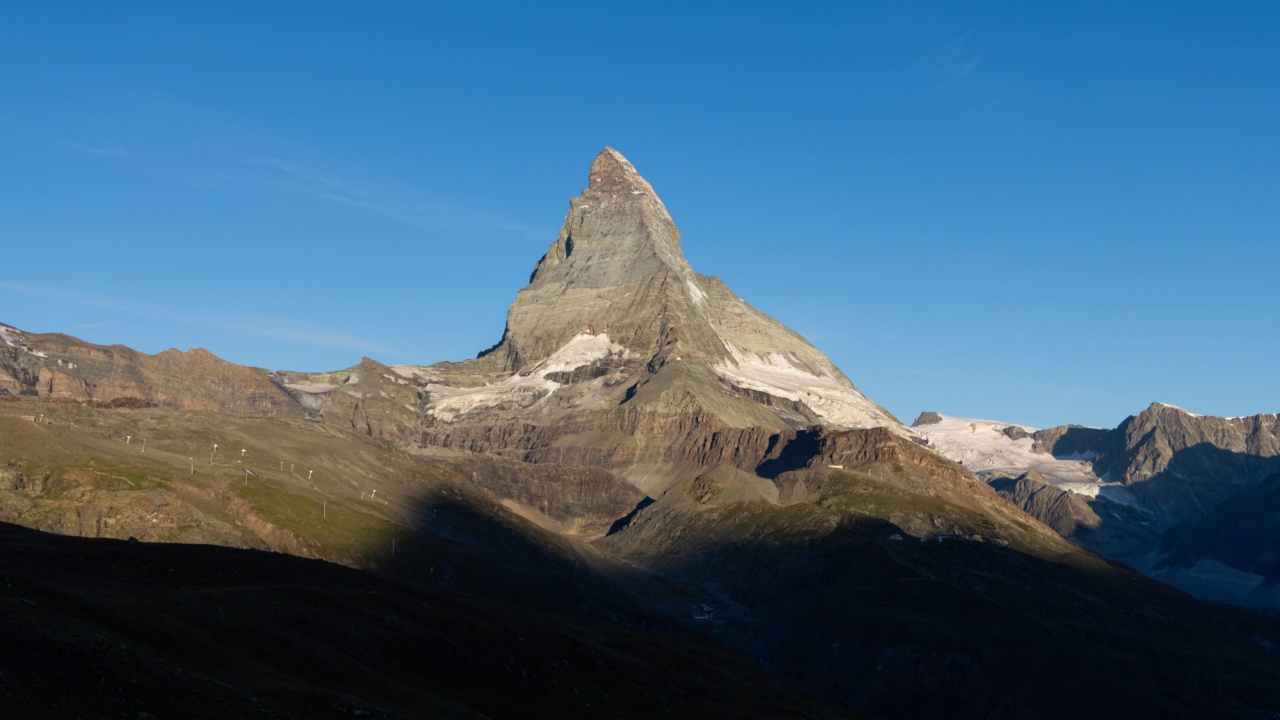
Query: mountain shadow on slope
x=902, y=627
x=1199, y=478
x=865, y=615
x=1069, y=441
x=787, y=452
x=460, y=545
x=1232, y=554
x=97, y=627
x=621, y=523
x=1169, y=478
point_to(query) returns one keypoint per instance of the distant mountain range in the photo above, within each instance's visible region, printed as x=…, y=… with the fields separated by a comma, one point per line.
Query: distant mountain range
x=652, y=476
x=1186, y=498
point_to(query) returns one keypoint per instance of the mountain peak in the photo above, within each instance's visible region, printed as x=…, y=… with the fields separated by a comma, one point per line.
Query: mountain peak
x=1156, y=406
x=614, y=316
x=611, y=173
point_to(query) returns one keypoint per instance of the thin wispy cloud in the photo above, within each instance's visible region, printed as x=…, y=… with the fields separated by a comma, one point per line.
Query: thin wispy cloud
x=318, y=179
x=955, y=60
x=283, y=330
x=388, y=199
x=931, y=373
x=63, y=295
x=207, y=147
x=99, y=151
x=279, y=329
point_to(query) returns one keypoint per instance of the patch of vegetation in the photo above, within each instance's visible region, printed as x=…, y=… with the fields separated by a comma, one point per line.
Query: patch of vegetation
x=55, y=492
x=332, y=529
x=110, y=476
x=768, y=522
x=95, y=474
x=179, y=532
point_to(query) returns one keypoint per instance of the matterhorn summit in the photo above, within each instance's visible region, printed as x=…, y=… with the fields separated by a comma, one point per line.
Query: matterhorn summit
x=615, y=318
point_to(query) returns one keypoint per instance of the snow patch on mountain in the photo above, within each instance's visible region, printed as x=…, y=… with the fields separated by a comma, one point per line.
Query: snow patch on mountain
x=695, y=293
x=837, y=404
x=1174, y=407
x=1212, y=580
x=525, y=389
x=583, y=349
x=311, y=388
x=984, y=449
x=14, y=338
x=10, y=335
x=310, y=395
x=449, y=403
x=416, y=373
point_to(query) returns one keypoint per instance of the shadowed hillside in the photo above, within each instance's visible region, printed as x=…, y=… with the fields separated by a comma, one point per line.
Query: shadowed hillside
x=108, y=628
x=932, y=615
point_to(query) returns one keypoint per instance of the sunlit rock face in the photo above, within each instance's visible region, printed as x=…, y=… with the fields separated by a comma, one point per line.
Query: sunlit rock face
x=617, y=338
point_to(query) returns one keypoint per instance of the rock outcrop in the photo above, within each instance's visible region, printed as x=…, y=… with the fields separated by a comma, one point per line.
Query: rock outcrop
x=927, y=418
x=1066, y=512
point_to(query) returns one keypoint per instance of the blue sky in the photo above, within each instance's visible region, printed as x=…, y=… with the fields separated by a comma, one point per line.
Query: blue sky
x=1036, y=212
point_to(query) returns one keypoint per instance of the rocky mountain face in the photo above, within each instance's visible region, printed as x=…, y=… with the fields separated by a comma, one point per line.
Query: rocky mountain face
x=617, y=353
x=1066, y=512
x=1183, y=465
x=615, y=289
x=1167, y=491
x=59, y=367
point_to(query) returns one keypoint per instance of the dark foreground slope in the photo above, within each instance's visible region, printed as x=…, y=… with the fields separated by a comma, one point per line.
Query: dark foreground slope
x=106, y=628
x=958, y=621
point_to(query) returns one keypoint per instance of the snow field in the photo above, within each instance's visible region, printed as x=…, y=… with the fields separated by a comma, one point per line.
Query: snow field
x=837, y=404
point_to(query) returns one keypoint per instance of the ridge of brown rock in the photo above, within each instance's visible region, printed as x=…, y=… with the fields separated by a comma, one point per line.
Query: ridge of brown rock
x=59, y=367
